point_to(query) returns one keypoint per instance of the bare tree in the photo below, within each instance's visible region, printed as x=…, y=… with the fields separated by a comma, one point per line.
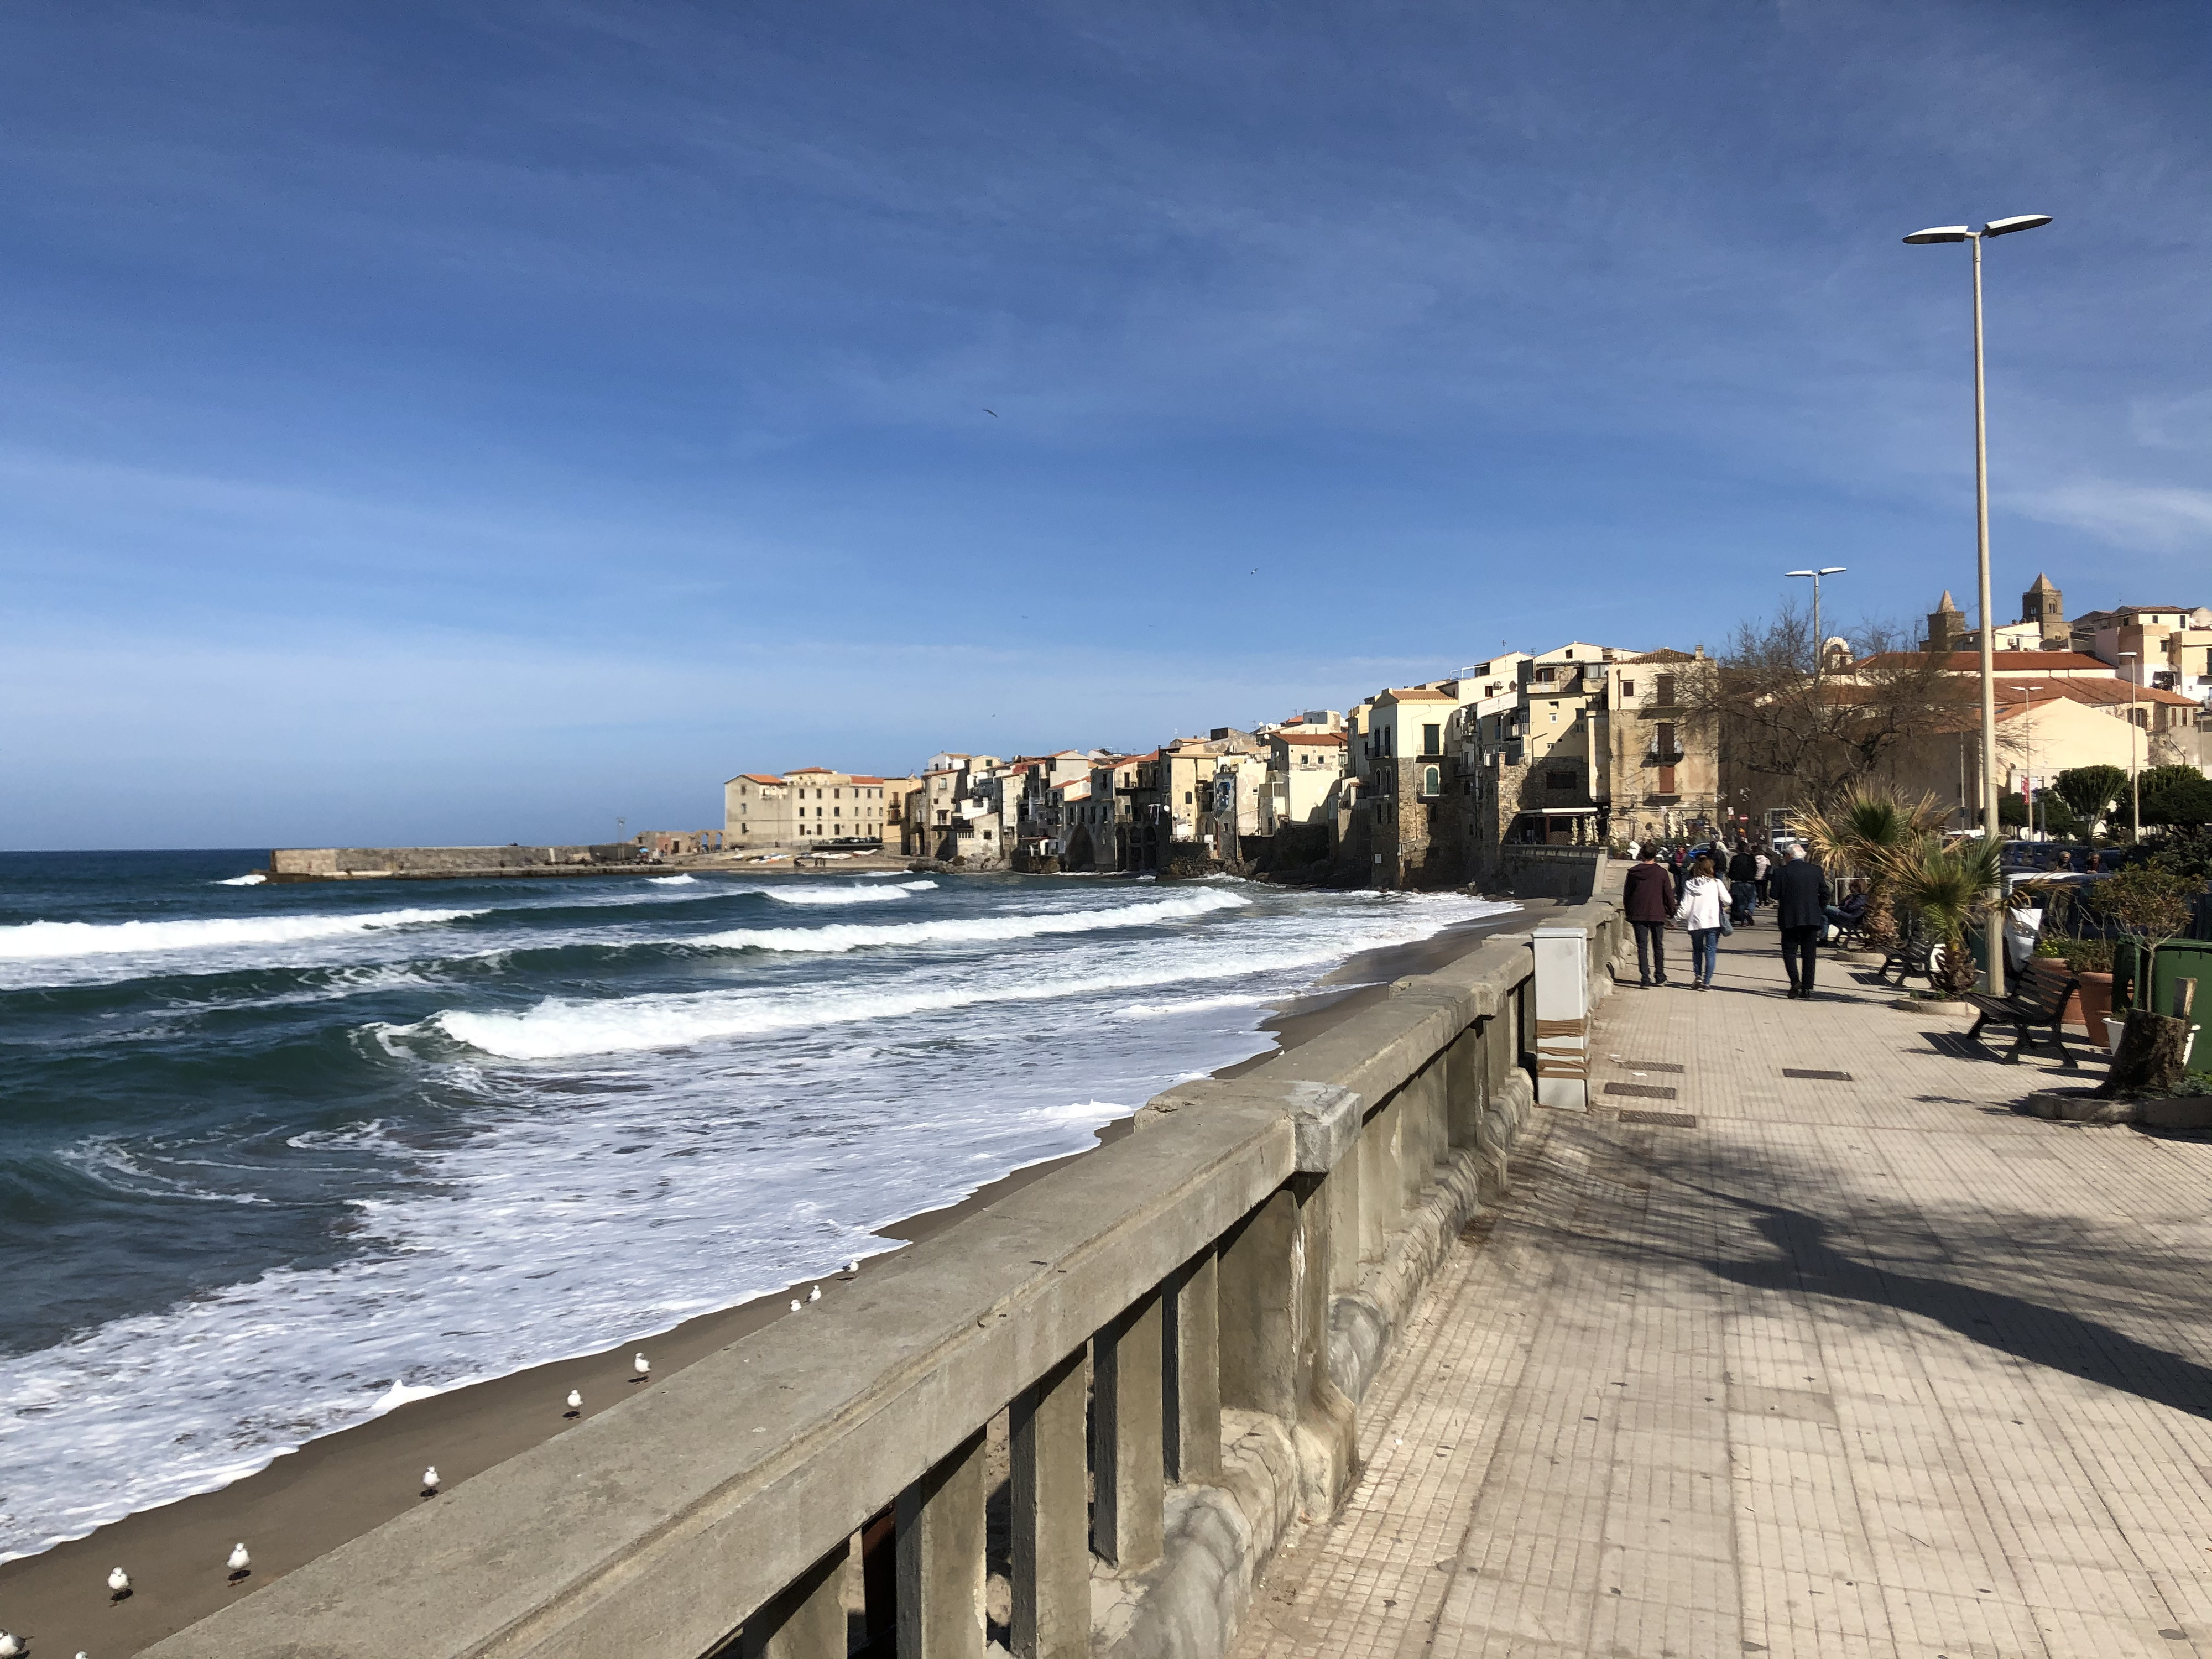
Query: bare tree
x=1789, y=735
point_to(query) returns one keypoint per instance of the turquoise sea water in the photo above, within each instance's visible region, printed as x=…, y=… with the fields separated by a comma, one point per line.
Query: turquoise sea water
x=275, y=1158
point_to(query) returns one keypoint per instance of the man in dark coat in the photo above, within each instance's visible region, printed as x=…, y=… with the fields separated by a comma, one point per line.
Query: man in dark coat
x=1801, y=910
x=1743, y=884
x=1648, y=896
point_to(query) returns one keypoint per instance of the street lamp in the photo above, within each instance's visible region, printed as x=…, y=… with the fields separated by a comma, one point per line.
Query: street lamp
x=1967, y=233
x=2028, y=722
x=1824, y=570
x=2135, y=789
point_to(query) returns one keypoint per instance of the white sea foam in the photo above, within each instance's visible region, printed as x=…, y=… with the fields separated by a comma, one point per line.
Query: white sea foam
x=965, y=930
x=824, y=895
x=673, y=881
x=42, y=941
x=251, y=878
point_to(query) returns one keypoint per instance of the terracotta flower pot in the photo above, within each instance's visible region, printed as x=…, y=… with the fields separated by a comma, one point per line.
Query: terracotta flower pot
x=2088, y=1006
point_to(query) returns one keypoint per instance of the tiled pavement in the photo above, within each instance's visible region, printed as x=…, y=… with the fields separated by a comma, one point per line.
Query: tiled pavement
x=1873, y=1366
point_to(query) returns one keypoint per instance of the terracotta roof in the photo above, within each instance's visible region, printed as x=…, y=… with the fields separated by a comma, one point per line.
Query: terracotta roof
x=1072, y=783
x=1325, y=739
x=1416, y=694
x=760, y=777
x=1665, y=653
x=2099, y=694
x=862, y=778
x=804, y=771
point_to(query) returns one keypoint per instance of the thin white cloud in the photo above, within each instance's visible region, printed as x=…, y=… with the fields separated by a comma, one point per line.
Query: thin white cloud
x=2164, y=517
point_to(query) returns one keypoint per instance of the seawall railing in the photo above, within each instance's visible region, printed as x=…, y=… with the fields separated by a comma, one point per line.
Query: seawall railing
x=1161, y=1344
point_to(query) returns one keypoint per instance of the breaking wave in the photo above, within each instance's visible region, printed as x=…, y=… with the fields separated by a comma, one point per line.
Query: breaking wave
x=856, y=936
x=843, y=895
x=39, y=941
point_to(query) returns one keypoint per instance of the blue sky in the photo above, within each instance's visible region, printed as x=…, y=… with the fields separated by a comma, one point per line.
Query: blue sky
x=479, y=422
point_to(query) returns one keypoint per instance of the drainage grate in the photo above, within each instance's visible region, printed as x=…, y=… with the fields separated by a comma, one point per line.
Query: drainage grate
x=1641, y=1091
x=1818, y=1076
x=1663, y=1120
x=1649, y=1066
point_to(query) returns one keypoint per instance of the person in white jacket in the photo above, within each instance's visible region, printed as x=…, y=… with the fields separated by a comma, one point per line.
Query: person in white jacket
x=1705, y=901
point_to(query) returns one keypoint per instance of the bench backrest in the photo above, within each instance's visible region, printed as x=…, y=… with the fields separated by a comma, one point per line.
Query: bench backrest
x=2046, y=985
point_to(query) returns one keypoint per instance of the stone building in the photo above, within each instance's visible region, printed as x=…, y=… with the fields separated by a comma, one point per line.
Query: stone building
x=804, y=808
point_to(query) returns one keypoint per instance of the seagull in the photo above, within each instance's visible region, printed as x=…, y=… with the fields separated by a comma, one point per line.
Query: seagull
x=430, y=1481
x=240, y=1563
x=119, y=1582
x=642, y=1365
x=796, y=1304
x=575, y=1401
x=10, y=1646
x=853, y=1266
x=993, y=413
x=815, y=1295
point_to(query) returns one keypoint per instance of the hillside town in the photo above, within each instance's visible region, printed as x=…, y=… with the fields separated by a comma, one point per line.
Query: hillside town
x=1447, y=782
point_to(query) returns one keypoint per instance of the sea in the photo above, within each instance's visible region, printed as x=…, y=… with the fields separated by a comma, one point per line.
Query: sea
x=276, y=1159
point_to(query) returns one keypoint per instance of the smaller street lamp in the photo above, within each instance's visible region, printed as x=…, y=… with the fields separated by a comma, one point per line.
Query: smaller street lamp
x=2134, y=787
x=1819, y=644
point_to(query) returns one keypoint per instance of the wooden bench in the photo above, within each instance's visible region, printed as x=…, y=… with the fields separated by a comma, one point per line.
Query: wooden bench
x=1910, y=953
x=2037, y=997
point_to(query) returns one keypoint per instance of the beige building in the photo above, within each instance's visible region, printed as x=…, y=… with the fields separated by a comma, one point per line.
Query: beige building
x=1662, y=763
x=1304, y=768
x=802, y=809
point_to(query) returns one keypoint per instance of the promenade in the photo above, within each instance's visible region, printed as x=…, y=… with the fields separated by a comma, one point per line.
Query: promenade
x=1863, y=1364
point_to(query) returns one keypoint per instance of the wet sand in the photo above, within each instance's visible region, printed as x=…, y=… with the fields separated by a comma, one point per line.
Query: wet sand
x=308, y=1502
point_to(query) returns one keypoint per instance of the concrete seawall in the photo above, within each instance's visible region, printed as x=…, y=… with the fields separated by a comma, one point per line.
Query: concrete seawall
x=449, y=862
x=1180, y=1325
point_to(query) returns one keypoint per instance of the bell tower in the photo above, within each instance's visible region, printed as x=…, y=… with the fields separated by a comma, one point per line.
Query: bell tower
x=2045, y=606
x=1945, y=624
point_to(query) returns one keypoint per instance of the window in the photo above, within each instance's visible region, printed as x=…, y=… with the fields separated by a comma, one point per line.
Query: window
x=1665, y=780
x=1628, y=688
x=1665, y=692
x=1432, y=739
x=1667, y=738
x=1554, y=708
x=1431, y=780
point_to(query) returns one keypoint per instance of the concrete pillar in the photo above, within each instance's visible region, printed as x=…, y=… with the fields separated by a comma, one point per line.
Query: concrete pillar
x=1275, y=1330
x=1051, y=1504
x=1378, y=1184
x=1340, y=1191
x=807, y=1620
x=1467, y=1092
x=1128, y=1463
x=939, y=1545
x=1194, y=1371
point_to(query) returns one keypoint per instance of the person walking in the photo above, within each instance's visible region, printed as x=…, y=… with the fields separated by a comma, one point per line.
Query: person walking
x=1801, y=910
x=1705, y=901
x=1765, y=880
x=1743, y=884
x=1648, y=896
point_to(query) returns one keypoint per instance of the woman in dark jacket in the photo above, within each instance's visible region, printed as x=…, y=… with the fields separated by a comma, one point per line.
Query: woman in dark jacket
x=1648, y=896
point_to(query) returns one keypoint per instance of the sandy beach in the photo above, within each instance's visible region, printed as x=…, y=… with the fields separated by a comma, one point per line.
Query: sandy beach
x=308, y=1502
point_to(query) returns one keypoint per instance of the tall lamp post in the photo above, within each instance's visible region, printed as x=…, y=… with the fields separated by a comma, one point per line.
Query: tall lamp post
x=1824, y=570
x=1989, y=826
x=2135, y=789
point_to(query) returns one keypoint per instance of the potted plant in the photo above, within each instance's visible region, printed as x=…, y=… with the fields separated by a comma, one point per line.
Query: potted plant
x=2091, y=960
x=1949, y=888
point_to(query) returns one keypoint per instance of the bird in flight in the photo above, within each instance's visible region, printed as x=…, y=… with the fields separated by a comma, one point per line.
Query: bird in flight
x=993, y=413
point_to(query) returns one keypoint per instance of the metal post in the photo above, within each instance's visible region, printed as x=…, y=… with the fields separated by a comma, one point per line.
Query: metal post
x=1990, y=826
x=2135, y=790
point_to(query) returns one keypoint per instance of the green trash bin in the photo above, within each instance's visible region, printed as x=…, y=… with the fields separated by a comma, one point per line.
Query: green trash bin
x=2179, y=959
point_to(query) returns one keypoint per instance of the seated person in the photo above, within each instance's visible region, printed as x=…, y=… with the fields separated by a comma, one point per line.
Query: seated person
x=1852, y=911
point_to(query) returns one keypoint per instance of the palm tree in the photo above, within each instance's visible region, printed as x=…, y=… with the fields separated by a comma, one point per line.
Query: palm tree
x=1949, y=888
x=1865, y=831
